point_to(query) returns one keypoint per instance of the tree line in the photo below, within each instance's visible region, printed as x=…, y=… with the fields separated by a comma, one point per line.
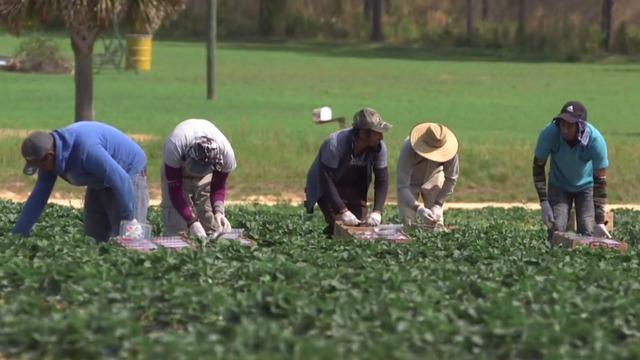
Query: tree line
x=571, y=26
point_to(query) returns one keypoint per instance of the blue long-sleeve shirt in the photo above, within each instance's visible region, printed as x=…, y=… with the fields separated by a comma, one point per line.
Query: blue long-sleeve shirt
x=92, y=154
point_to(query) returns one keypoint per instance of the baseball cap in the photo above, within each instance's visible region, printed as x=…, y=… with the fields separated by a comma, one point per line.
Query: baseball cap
x=34, y=149
x=367, y=118
x=572, y=111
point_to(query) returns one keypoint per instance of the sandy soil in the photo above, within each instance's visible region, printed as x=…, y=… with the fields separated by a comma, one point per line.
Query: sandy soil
x=290, y=199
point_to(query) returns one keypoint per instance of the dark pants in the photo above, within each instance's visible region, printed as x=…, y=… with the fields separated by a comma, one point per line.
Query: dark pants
x=354, y=199
x=102, y=215
x=562, y=201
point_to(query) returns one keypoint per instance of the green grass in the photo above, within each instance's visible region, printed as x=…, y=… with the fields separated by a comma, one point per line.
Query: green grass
x=495, y=103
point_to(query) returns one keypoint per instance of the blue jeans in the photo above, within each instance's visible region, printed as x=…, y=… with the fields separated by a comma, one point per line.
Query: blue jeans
x=101, y=213
x=562, y=201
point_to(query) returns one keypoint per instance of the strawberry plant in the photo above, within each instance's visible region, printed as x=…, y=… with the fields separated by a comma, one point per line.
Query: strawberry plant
x=493, y=288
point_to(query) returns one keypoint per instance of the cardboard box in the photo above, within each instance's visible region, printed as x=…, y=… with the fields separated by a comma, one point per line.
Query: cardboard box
x=608, y=218
x=388, y=232
x=572, y=240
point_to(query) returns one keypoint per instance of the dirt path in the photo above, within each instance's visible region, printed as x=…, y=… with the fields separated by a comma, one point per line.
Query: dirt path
x=289, y=199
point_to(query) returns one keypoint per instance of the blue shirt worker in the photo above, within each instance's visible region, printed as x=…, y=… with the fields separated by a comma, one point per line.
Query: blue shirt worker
x=339, y=178
x=91, y=154
x=577, y=174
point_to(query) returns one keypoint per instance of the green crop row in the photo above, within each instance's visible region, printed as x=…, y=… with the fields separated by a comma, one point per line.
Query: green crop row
x=490, y=289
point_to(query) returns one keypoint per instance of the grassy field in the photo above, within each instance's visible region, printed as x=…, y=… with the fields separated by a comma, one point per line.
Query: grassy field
x=495, y=104
x=492, y=289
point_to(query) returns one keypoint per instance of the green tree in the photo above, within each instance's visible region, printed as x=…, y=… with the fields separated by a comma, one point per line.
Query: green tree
x=86, y=20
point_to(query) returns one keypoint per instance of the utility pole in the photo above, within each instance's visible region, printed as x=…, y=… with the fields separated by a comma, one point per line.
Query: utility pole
x=211, y=49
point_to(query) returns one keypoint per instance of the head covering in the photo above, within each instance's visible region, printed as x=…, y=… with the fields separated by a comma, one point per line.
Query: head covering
x=574, y=112
x=368, y=118
x=204, y=156
x=34, y=148
x=434, y=142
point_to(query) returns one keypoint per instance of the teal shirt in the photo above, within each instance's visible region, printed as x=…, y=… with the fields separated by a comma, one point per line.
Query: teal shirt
x=572, y=167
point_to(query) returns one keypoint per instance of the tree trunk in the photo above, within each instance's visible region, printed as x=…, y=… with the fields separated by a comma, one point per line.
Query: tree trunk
x=522, y=19
x=82, y=44
x=485, y=10
x=376, y=21
x=366, y=8
x=470, y=19
x=607, y=23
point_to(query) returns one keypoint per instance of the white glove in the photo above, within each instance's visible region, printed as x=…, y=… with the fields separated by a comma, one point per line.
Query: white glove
x=547, y=214
x=601, y=231
x=221, y=223
x=374, y=219
x=424, y=214
x=348, y=218
x=197, y=230
x=436, y=213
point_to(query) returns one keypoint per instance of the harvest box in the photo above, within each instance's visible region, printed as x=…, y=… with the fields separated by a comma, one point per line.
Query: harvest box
x=572, y=240
x=389, y=232
x=148, y=245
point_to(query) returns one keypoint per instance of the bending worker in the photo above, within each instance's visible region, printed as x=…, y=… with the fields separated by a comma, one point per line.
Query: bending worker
x=339, y=178
x=197, y=161
x=428, y=167
x=577, y=175
x=91, y=154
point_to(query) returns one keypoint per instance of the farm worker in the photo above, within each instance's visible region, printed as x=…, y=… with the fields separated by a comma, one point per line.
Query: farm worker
x=339, y=178
x=428, y=167
x=91, y=154
x=197, y=161
x=578, y=172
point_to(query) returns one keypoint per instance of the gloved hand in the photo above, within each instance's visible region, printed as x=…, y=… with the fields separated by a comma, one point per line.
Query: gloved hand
x=197, y=230
x=547, y=214
x=436, y=213
x=348, y=218
x=424, y=214
x=221, y=223
x=374, y=219
x=601, y=231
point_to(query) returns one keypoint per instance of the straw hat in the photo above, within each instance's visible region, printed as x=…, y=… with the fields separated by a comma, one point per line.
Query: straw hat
x=434, y=142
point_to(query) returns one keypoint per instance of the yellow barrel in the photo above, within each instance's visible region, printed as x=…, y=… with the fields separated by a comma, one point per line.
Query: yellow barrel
x=139, y=52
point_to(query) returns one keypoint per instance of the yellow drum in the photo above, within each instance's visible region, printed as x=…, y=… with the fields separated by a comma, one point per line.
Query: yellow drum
x=139, y=52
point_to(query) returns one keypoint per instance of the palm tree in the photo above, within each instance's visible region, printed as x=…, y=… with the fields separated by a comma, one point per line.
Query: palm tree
x=86, y=20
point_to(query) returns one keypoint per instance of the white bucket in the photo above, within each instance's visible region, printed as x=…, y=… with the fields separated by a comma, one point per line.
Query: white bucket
x=321, y=114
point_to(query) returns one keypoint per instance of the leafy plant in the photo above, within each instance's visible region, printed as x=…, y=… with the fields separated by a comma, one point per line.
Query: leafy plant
x=490, y=289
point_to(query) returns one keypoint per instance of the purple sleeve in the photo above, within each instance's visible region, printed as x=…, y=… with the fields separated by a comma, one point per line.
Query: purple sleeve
x=178, y=200
x=218, y=191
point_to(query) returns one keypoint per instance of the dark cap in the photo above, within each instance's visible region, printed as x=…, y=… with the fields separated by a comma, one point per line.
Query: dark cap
x=34, y=149
x=572, y=111
x=368, y=118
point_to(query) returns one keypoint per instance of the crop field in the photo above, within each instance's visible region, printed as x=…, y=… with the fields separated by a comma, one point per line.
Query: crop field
x=490, y=289
x=495, y=103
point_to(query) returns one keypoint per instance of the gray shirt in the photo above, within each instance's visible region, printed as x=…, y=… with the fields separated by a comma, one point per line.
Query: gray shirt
x=414, y=170
x=335, y=153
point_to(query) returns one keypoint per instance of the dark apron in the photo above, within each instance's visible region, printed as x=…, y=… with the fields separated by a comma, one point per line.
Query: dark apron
x=352, y=187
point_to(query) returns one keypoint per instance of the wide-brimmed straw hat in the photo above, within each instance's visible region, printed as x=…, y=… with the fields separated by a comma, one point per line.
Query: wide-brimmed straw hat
x=434, y=142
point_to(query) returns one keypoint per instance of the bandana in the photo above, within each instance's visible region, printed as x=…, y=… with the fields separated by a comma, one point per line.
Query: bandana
x=205, y=154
